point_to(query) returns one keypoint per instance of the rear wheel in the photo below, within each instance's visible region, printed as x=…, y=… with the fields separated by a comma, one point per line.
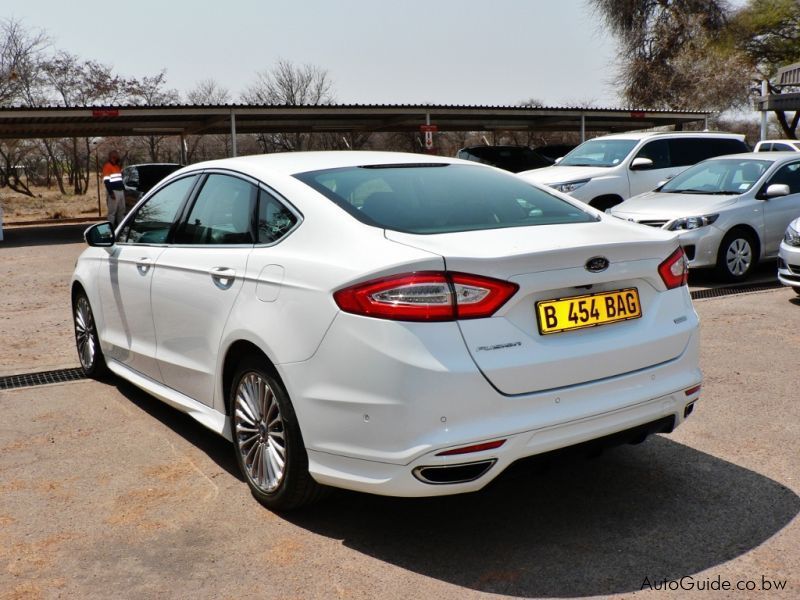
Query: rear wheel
x=737, y=255
x=87, y=343
x=269, y=447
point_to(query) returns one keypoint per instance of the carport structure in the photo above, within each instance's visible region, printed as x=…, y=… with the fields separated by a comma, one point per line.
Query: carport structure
x=184, y=120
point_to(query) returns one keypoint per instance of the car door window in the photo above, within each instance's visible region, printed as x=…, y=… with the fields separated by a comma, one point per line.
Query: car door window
x=222, y=213
x=789, y=175
x=658, y=152
x=152, y=221
x=274, y=219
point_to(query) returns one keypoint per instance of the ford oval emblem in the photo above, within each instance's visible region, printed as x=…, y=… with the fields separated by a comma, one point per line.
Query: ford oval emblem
x=597, y=264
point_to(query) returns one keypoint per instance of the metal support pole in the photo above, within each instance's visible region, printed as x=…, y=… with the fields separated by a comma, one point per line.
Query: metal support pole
x=583, y=128
x=764, y=93
x=705, y=124
x=184, y=149
x=233, y=133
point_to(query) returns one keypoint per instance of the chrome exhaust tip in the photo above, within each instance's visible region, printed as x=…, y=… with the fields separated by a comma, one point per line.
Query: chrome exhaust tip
x=448, y=474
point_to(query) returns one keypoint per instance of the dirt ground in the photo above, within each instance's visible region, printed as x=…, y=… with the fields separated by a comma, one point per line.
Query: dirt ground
x=47, y=204
x=106, y=491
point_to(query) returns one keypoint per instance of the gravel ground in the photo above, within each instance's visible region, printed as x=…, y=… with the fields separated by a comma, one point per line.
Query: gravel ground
x=104, y=490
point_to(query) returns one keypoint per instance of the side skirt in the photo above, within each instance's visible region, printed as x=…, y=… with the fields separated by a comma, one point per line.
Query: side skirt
x=205, y=415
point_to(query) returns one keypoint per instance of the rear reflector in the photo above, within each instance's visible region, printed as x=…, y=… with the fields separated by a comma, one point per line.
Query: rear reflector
x=675, y=270
x=693, y=390
x=473, y=448
x=426, y=296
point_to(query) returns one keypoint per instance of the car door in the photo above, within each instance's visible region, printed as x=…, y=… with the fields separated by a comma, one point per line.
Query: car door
x=125, y=277
x=779, y=211
x=645, y=180
x=197, y=280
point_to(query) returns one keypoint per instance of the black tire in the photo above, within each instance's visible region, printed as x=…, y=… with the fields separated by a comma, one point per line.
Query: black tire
x=796, y=290
x=87, y=343
x=737, y=256
x=265, y=431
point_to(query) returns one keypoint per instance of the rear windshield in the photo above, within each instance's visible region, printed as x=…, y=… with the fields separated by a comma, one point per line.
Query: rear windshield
x=440, y=198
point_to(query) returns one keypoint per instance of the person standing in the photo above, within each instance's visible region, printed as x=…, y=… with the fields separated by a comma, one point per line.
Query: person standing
x=115, y=190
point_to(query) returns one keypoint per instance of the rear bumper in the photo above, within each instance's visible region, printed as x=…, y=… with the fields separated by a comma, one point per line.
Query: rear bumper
x=658, y=414
x=381, y=399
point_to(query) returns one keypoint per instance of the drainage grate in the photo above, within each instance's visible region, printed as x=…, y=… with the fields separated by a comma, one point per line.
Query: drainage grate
x=739, y=289
x=12, y=382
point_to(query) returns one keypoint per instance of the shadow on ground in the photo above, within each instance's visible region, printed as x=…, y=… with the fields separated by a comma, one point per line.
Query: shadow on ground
x=215, y=446
x=17, y=237
x=562, y=527
x=577, y=528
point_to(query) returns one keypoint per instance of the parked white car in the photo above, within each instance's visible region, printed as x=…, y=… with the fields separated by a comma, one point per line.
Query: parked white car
x=789, y=257
x=391, y=323
x=777, y=146
x=729, y=212
x=606, y=170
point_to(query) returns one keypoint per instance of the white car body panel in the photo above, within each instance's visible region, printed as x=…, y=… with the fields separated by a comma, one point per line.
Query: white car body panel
x=376, y=398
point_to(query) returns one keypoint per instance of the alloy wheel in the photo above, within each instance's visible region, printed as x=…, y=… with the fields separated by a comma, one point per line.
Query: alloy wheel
x=85, y=334
x=259, y=432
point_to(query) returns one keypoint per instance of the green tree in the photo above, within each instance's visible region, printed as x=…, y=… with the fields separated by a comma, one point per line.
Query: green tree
x=767, y=32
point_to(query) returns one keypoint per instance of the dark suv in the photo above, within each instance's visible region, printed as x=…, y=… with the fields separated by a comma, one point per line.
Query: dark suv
x=140, y=179
x=510, y=158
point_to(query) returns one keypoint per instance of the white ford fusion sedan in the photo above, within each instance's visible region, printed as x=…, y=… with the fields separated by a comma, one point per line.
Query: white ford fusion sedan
x=396, y=324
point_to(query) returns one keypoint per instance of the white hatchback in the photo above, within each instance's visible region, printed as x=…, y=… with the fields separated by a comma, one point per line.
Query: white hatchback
x=391, y=323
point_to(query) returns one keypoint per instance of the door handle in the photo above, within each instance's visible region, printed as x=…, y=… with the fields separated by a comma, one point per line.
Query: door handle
x=223, y=277
x=143, y=265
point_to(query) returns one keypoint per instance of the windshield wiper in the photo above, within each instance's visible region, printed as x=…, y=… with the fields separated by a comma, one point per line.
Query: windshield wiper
x=707, y=192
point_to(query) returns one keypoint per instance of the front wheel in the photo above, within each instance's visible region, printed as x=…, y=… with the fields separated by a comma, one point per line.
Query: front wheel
x=737, y=256
x=269, y=447
x=796, y=290
x=87, y=343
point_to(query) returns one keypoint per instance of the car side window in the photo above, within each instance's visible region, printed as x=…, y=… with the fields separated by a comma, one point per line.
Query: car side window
x=222, y=213
x=152, y=221
x=789, y=175
x=782, y=148
x=658, y=152
x=274, y=219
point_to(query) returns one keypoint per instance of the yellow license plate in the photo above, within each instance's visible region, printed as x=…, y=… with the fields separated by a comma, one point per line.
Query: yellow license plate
x=591, y=310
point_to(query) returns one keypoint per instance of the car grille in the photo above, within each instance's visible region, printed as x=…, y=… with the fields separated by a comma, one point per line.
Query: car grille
x=653, y=223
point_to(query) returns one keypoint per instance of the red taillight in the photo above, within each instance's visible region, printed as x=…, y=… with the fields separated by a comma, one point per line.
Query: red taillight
x=675, y=270
x=473, y=448
x=426, y=296
x=693, y=390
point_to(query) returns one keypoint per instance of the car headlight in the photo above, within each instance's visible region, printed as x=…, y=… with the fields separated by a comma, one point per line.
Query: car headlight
x=692, y=222
x=792, y=236
x=570, y=186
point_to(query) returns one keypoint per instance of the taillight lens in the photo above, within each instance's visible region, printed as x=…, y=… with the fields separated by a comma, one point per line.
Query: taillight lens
x=675, y=270
x=426, y=296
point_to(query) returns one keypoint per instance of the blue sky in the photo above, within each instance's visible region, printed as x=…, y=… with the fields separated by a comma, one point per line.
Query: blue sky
x=442, y=51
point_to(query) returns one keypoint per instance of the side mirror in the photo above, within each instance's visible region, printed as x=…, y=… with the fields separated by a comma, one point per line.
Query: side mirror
x=100, y=234
x=778, y=189
x=641, y=164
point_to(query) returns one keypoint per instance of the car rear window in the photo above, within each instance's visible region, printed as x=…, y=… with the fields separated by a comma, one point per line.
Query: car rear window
x=440, y=198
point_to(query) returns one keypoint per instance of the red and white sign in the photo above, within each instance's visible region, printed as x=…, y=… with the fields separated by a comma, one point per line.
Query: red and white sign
x=428, y=130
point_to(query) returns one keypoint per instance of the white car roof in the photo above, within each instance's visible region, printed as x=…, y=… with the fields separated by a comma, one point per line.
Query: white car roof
x=290, y=163
x=768, y=156
x=641, y=135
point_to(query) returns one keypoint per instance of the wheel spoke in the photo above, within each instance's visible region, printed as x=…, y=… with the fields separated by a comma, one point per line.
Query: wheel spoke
x=259, y=432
